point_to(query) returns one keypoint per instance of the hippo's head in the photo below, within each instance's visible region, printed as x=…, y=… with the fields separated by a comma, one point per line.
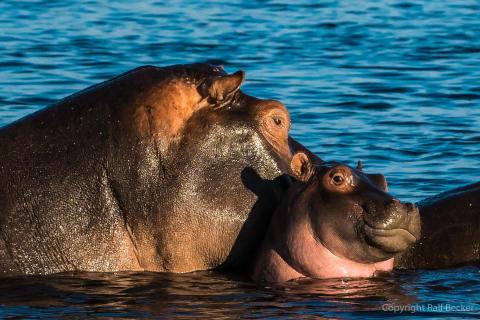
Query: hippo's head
x=353, y=215
x=185, y=105
x=230, y=118
x=337, y=221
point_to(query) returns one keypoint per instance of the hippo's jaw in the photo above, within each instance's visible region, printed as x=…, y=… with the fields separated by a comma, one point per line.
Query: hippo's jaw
x=334, y=266
x=327, y=266
x=306, y=257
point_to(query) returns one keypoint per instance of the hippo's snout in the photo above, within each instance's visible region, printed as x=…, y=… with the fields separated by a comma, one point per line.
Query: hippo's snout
x=391, y=227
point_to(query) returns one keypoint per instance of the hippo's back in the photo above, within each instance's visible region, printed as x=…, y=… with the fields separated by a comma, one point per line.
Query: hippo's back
x=57, y=210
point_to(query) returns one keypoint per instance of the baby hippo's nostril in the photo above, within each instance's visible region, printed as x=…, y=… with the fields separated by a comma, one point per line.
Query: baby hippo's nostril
x=395, y=215
x=370, y=208
x=389, y=215
x=393, y=205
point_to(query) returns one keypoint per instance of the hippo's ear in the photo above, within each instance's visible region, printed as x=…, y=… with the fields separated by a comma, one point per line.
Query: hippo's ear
x=220, y=88
x=301, y=167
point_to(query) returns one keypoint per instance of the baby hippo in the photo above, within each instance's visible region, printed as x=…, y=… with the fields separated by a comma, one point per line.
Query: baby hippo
x=335, y=222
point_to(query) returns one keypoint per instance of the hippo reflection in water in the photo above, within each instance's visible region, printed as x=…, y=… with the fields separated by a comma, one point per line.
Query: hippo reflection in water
x=335, y=222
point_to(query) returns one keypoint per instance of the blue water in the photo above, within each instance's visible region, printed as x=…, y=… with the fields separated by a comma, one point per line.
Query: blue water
x=394, y=83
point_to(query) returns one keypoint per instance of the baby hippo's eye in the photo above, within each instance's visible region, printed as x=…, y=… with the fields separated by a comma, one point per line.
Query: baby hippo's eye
x=338, y=179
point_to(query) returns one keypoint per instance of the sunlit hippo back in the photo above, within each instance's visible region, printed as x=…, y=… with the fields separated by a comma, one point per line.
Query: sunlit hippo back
x=335, y=221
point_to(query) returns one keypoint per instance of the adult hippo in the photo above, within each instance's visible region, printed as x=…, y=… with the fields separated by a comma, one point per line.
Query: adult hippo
x=334, y=222
x=450, y=231
x=161, y=169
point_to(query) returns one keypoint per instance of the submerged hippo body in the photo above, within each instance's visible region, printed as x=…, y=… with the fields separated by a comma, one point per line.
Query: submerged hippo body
x=161, y=169
x=450, y=231
x=334, y=222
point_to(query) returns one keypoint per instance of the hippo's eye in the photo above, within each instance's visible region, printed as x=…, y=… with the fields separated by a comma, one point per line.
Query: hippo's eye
x=277, y=121
x=338, y=179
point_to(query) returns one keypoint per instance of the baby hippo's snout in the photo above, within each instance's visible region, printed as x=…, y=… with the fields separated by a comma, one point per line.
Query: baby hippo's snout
x=391, y=227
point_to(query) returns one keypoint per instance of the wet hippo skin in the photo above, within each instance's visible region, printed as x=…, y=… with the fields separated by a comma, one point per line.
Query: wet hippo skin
x=450, y=231
x=161, y=169
x=334, y=222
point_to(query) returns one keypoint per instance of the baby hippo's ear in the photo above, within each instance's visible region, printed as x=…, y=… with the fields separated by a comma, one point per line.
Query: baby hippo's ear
x=301, y=167
x=222, y=87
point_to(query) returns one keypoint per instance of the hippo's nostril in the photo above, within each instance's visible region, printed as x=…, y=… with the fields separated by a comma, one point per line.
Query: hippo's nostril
x=392, y=205
x=388, y=215
x=369, y=207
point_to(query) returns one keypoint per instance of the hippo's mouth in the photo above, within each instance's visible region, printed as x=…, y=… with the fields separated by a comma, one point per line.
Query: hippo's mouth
x=392, y=237
x=389, y=240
